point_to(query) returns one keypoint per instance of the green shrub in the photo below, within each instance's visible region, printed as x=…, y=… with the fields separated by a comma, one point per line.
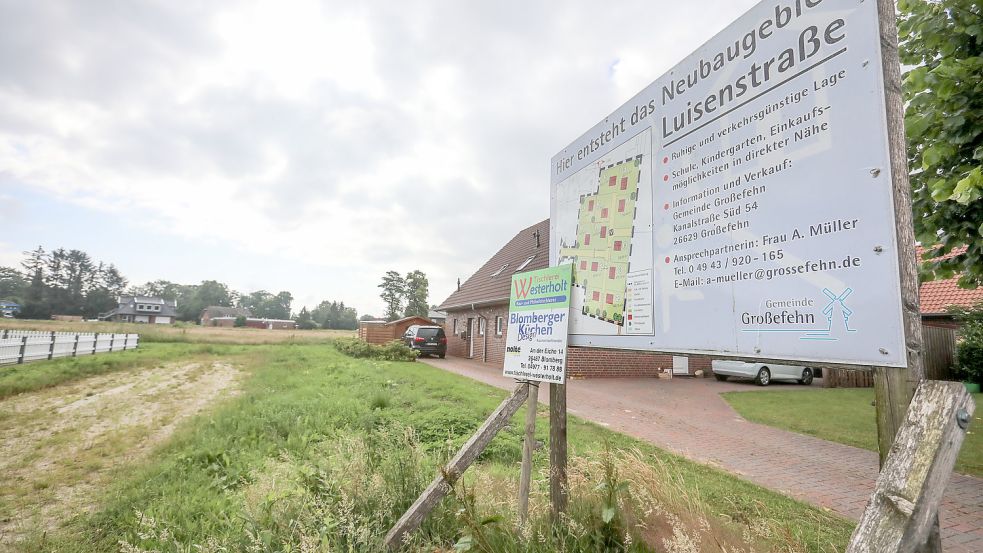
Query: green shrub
x=969, y=352
x=391, y=351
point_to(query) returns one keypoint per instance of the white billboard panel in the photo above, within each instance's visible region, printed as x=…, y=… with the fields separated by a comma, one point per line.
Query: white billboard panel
x=741, y=204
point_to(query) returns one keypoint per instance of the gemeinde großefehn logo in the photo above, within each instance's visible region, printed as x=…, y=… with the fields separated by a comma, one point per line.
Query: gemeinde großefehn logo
x=538, y=291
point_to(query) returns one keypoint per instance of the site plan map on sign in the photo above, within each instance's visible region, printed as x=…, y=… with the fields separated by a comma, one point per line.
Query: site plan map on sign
x=604, y=232
x=612, y=202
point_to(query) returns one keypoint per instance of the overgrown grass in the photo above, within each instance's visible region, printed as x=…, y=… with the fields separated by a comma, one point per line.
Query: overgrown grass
x=17, y=379
x=324, y=452
x=843, y=415
x=184, y=332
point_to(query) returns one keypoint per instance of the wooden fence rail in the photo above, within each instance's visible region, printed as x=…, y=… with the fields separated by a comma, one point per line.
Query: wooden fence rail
x=24, y=346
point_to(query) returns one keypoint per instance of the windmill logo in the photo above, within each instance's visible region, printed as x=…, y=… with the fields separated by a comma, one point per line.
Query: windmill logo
x=837, y=318
x=836, y=312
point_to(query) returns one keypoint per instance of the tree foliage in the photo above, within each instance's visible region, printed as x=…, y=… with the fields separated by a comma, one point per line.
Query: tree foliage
x=416, y=294
x=393, y=290
x=267, y=305
x=942, y=40
x=64, y=282
x=335, y=315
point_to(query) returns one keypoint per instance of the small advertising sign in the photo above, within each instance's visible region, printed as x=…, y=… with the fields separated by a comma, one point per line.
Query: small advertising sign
x=539, y=309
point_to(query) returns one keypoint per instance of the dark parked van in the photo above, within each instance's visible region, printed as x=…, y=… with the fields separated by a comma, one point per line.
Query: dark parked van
x=428, y=340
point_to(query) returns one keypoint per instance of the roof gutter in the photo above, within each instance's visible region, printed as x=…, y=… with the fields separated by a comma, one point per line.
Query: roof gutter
x=473, y=305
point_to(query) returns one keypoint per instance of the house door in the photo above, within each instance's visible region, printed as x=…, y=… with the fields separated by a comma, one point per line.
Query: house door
x=470, y=338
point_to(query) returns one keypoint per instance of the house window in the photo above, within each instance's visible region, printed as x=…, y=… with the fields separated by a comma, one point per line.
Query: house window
x=624, y=183
x=499, y=326
x=499, y=271
x=617, y=245
x=597, y=295
x=590, y=205
x=612, y=271
x=525, y=263
x=587, y=240
x=621, y=206
x=593, y=266
x=613, y=180
x=454, y=326
x=583, y=265
x=609, y=299
x=481, y=327
x=604, y=231
x=604, y=213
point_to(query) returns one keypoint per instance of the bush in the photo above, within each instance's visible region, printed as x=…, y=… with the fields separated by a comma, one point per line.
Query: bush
x=391, y=351
x=969, y=352
x=240, y=322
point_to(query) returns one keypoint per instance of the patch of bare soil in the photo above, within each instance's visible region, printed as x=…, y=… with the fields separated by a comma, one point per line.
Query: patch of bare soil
x=59, y=446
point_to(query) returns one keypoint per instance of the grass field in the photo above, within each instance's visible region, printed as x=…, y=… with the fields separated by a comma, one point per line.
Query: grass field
x=295, y=447
x=184, y=332
x=843, y=415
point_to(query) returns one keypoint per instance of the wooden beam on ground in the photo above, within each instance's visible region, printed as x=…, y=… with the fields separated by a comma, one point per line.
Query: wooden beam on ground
x=558, y=450
x=903, y=510
x=528, y=445
x=450, y=473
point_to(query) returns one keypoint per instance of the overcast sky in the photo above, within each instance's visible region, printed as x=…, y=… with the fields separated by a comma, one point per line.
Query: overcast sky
x=308, y=146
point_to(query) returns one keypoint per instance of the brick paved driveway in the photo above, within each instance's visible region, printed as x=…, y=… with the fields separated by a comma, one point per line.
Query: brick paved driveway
x=688, y=417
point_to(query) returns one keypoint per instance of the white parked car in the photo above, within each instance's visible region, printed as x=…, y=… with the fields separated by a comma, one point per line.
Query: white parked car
x=762, y=373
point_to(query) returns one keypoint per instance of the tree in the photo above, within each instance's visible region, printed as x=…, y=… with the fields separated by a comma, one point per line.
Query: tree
x=943, y=41
x=304, y=321
x=416, y=292
x=266, y=305
x=393, y=289
x=35, y=300
x=331, y=314
x=12, y=285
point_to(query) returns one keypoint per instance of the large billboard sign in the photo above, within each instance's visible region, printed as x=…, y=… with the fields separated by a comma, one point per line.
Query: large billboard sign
x=741, y=204
x=539, y=315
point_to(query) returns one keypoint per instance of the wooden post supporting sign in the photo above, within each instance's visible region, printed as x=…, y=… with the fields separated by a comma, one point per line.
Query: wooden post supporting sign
x=529, y=444
x=450, y=473
x=558, y=450
x=893, y=387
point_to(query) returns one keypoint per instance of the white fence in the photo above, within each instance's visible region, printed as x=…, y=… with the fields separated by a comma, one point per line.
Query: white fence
x=24, y=346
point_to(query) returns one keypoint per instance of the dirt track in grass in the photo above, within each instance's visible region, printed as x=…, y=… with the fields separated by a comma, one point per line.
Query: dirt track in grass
x=59, y=446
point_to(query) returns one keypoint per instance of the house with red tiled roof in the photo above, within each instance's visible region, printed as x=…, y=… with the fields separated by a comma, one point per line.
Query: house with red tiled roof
x=937, y=296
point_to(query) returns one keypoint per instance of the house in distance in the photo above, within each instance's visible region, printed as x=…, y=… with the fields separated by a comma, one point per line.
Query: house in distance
x=142, y=309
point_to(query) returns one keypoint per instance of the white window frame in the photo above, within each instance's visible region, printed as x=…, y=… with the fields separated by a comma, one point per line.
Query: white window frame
x=481, y=326
x=499, y=325
x=498, y=272
x=525, y=263
x=454, y=325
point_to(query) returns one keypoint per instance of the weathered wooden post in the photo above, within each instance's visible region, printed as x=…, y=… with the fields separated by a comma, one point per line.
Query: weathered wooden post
x=528, y=445
x=75, y=346
x=893, y=387
x=51, y=347
x=903, y=511
x=449, y=474
x=558, y=450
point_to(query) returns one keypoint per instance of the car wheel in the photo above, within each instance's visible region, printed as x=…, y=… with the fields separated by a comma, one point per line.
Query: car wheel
x=764, y=377
x=442, y=355
x=720, y=377
x=806, y=377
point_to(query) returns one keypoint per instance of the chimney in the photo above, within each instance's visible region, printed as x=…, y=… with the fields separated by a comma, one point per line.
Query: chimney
x=536, y=234
x=458, y=283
